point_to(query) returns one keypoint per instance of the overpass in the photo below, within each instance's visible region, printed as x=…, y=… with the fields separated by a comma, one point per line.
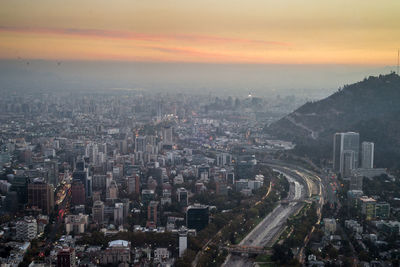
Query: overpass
x=246, y=250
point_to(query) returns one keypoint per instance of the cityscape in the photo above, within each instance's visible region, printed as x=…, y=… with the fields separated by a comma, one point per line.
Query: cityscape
x=188, y=133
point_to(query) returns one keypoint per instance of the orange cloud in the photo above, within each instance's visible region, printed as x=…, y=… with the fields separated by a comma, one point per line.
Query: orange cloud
x=129, y=35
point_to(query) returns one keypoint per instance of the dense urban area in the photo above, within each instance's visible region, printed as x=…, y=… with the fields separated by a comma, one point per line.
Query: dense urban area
x=133, y=178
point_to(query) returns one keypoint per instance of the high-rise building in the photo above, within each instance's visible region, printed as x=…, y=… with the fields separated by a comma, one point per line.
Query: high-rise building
x=167, y=135
x=224, y=159
x=140, y=144
x=152, y=211
x=76, y=223
x=348, y=163
x=382, y=210
x=134, y=184
x=52, y=171
x=77, y=193
x=98, y=212
x=147, y=196
x=197, y=217
x=183, y=196
x=41, y=195
x=368, y=207
x=20, y=186
x=84, y=178
x=230, y=177
x=66, y=258
x=112, y=190
x=183, y=233
x=119, y=213
x=356, y=182
x=367, y=155
x=99, y=181
x=26, y=229
x=342, y=142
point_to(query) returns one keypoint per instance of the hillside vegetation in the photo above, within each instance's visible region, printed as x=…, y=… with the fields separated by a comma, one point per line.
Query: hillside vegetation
x=370, y=107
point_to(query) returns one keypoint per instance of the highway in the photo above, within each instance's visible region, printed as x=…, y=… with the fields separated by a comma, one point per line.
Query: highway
x=269, y=229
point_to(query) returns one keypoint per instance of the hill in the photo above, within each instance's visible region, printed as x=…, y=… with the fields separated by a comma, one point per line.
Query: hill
x=370, y=107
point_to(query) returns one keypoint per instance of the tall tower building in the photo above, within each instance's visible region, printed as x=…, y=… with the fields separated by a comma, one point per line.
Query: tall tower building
x=348, y=163
x=77, y=193
x=367, y=155
x=134, y=184
x=152, y=211
x=183, y=233
x=167, y=135
x=342, y=142
x=119, y=213
x=112, y=191
x=98, y=211
x=41, y=195
x=182, y=196
x=140, y=144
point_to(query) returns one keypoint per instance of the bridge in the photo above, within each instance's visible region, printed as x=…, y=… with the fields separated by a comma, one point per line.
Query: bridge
x=285, y=201
x=249, y=250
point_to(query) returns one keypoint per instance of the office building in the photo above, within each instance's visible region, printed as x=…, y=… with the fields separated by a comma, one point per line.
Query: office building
x=167, y=135
x=382, y=210
x=356, y=182
x=84, y=178
x=99, y=181
x=76, y=223
x=140, y=144
x=77, y=193
x=152, y=212
x=112, y=191
x=183, y=196
x=183, y=233
x=342, y=142
x=98, y=212
x=224, y=159
x=147, y=196
x=230, y=177
x=41, y=195
x=19, y=185
x=348, y=163
x=119, y=213
x=66, y=258
x=134, y=184
x=197, y=217
x=368, y=207
x=367, y=155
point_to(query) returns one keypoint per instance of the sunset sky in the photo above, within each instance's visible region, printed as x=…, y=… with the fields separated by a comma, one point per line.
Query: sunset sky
x=218, y=31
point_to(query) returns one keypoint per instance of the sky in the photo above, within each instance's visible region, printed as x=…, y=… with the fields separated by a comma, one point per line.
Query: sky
x=361, y=32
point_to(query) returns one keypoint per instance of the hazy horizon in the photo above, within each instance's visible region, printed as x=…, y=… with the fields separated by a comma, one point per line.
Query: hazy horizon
x=307, y=80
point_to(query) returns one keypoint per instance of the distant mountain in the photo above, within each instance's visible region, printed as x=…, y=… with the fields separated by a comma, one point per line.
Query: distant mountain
x=370, y=107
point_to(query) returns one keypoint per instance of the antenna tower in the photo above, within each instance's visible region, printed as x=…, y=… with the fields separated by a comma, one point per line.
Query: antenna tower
x=398, y=56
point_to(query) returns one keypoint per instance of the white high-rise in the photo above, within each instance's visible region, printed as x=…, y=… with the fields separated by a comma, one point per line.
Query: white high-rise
x=367, y=155
x=183, y=233
x=342, y=142
x=119, y=213
x=26, y=229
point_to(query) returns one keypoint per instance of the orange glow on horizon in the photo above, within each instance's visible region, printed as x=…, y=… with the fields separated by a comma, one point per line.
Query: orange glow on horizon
x=302, y=32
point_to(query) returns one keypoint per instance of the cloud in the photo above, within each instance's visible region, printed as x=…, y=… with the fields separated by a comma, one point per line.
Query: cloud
x=130, y=35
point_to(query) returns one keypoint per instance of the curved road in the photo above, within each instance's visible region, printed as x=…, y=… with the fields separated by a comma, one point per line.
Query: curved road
x=268, y=230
